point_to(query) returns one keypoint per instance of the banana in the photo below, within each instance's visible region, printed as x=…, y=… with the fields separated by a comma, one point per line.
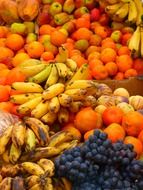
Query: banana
x=62, y=55
x=30, y=71
x=49, y=118
x=65, y=100
x=63, y=115
x=18, y=134
x=67, y=145
x=41, y=76
x=76, y=106
x=53, y=76
x=14, y=154
x=1, y=178
x=112, y=9
x=83, y=84
x=32, y=168
x=90, y=101
x=76, y=94
x=29, y=63
x=59, y=138
x=36, y=187
x=4, y=138
x=134, y=43
x=133, y=12
x=38, y=153
x=27, y=107
x=53, y=91
x=141, y=34
x=27, y=87
x=71, y=64
x=31, y=181
x=10, y=170
x=23, y=98
x=140, y=11
x=40, y=130
x=125, y=1
x=69, y=75
x=30, y=140
x=6, y=184
x=122, y=12
x=54, y=105
x=48, y=166
x=5, y=156
x=48, y=185
x=40, y=110
x=67, y=183
x=18, y=183
x=62, y=69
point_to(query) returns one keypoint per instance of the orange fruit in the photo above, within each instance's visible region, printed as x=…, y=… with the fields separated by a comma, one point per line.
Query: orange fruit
x=87, y=119
x=124, y=62
x=140, y=136
x=119, y=76
x=111, y=115
x=58, y=38
x=95, y=40
x=133, y=123
x=94, y=62
x=101, y=31
x=79, y=60
x=138, y=65
x=14, y=42
x=46, y=29
x=108, y=55
x=3, y=66
x=93, y=55
x=130, y=73
x=70, y=127
x=47, y=55
x=92, y=49
x=99, y=72
x=82, y=33
x=6, y=106
x=4, y=95
x=5, y=53
x=124, y=50
x=19, y=58
x=111, y=68
x=137, y=144
x=115, y=132
x=82, y=23
x=88, y=134
x=34, y=49
x=109, y=45
x=125, y=38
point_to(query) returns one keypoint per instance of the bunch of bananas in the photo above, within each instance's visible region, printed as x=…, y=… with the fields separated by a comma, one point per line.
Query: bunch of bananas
x=130, y=11
x=30, y=139
x=136, y=42
x=56, y=101
x=31, y=176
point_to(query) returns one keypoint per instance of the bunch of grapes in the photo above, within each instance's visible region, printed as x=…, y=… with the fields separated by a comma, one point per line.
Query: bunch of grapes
x=99, y=164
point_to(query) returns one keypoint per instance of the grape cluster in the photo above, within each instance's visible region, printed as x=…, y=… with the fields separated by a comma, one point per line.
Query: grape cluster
x=99, y=164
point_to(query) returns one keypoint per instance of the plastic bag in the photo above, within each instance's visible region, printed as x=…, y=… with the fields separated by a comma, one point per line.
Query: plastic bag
x=6, y=119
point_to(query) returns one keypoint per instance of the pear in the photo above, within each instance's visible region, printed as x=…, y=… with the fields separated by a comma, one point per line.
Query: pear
x=68, y=6
x=81, y=45
x=18, y=28
x=30, y=27
x=55, y=8
x=31, y=37
x=61, y=18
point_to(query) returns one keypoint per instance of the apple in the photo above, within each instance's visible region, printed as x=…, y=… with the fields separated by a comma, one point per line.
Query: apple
x=43, y=18
x=55, y=8
x=90, y=4
x=95, y=14
x=80, y=11
x=18, y=28
x=31, y=37
x=116, y=36
x=104, y=19
x=81, y=45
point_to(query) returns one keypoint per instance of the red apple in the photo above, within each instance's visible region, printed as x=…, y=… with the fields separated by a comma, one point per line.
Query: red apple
x=95, y=14
x=43, y=18
x=104, y=19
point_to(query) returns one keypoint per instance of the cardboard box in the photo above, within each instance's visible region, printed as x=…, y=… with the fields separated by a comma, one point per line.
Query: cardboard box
x=133, y=85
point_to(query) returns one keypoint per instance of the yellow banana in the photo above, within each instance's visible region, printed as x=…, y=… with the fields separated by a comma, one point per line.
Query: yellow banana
x=71, y=64
x=14, y=153
x=76, y=106
x=30, y=71
x=63, y=115
x=48, y=166
x=122, y=12
x=141, y=33
x=18, y=134
x=134, y=43
x=53, y=91
x=69, y=74
x=30, y=140
x=59, y=138
x=65, y=100
x=1, y=178
x=77, y=94
x=5, y=156
x=32, y=168
x=23, y=98
x=54, y=105
x=27, y=87
x=49, y=118
x=36, y=187
x=27, y=107
x=40, y=110
x=133, y=12
x=29, y=63
x=18, y=183
x=62, y=55
x=53, y=76
x=67, y=145
x=41, y=76
x=4, y=138
x=67, y=183
x=40, y=130
x=62, y=69
x=48, y=185
x=140, y=11
x=31, y=181
x=112, y=9
x=90, y=101
x=38, y=153
x=6, y=184
x=83, y=84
